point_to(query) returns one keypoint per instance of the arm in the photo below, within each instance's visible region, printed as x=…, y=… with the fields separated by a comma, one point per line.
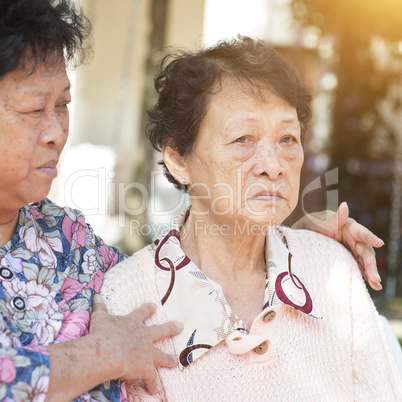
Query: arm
x=358, y=239
x=375, y=376
x=24, y=372
x=117, y=346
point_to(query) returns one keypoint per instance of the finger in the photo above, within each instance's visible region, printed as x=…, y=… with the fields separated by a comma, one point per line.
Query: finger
x=145, y=311
x=374, y=285
x=369, y=264
x=98, y=304
x=335, y=221
x=158, y=332
x=150, y=382
x=98, y=307
x=361, y=233
x=164, y=360
x=341, y=216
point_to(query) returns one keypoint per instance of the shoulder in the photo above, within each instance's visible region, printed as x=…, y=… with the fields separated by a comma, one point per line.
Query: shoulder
x=331, y=274
x=70, y=227
x=316, y=244
x=141, y=263
x=47, y=208
x=130, y=283
x=321, y=255
x=50, y=216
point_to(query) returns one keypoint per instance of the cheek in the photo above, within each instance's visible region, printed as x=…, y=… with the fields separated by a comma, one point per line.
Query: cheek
x=293, y=175
x=294, y=157
x=65, y=127
x=64, y=121
x=240, y=153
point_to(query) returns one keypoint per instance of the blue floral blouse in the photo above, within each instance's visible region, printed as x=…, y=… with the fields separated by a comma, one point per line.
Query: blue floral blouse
x=49, y=271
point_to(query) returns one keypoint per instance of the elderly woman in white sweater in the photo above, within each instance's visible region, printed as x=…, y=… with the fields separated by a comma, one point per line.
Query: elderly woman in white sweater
x=269, y=313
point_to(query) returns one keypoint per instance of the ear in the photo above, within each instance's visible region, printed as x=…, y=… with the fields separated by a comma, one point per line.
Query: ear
x=176, y=164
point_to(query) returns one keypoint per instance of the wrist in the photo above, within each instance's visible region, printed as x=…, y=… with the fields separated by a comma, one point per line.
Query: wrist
x=110, y=357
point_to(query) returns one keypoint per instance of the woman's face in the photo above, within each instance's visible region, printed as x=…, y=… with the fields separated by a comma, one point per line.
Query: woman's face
x=246, y=161
x=33, y=132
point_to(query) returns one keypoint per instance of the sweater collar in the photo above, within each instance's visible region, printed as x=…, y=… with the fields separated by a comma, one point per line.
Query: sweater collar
x=188, y=295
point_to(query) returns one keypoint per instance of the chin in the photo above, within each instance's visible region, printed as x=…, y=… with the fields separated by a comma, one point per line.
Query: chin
x=38, y=196
x=271, y=216
x=258, y=225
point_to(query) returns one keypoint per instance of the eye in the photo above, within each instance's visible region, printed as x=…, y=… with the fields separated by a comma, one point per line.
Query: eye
x=38, y=111
x=243, y=140
x=63, y=105
x=289, y=139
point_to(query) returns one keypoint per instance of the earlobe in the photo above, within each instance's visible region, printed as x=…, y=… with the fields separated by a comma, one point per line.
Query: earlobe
x=176, y=164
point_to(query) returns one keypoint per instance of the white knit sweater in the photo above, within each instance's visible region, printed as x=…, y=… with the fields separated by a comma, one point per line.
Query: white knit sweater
x=341, y=357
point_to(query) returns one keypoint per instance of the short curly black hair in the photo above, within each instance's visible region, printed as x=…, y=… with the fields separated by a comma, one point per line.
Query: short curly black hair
x=33, y=32
x=186, y=78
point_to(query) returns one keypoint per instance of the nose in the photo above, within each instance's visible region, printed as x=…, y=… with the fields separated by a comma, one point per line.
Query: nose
x=55, y=129
x=268, y=163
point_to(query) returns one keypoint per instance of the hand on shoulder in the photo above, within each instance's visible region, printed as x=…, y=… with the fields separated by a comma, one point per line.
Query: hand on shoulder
x=354, y=236
x=129, y=344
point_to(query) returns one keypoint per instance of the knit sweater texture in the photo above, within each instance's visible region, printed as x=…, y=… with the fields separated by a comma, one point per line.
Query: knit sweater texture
x=341, y=357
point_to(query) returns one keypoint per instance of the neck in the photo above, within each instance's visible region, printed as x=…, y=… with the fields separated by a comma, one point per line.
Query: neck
x=224, y=252
x=8, y=223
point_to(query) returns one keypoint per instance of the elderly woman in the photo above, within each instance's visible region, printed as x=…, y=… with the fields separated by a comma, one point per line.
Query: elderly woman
x=51, y=263
x=269, y=313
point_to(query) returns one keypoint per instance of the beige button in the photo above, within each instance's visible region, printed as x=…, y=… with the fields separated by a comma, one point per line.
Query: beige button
x=262, y=348
x=269, y=316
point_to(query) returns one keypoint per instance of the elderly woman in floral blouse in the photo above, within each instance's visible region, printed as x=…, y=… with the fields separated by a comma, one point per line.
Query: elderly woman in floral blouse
x=51, y=262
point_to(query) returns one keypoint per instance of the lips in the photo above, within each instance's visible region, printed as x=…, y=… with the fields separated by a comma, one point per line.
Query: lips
x=49, y=168
x=49, y=165
x=267, y=195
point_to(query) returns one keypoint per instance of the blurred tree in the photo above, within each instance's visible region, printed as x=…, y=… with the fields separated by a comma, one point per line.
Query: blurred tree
x=145, y=156
x=366, y=37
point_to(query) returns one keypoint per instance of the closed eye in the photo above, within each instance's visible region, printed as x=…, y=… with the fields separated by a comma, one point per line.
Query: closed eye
x=38, y=111
x=63, y=105
x=243, y=140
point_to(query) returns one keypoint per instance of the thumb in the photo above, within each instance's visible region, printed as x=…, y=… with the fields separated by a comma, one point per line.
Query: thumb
x=98, y=303
x=341, y=216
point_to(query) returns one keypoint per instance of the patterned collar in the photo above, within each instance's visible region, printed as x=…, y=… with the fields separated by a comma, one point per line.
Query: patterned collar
x=188, y=295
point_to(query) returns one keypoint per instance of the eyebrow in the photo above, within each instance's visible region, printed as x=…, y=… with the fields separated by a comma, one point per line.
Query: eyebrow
x=237, y=120
x=286, y=120
x=291, y=121
x=39, y=92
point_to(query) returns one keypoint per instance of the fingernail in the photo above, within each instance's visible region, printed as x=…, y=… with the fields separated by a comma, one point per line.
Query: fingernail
x=179, y=325
x=379, y=284
x=382, y=241
x=377, y=278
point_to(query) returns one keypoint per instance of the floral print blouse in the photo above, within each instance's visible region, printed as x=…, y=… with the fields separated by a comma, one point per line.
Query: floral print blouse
x=49, y=271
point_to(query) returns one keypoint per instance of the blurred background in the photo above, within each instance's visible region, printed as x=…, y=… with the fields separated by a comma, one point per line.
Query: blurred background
x=349, y=53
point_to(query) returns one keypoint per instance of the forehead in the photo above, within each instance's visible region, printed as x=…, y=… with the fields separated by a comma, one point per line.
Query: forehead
x=42, y=80
x=235, y=95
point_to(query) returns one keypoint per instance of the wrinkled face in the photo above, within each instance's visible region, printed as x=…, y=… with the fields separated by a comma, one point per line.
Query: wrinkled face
x=33, y=132
x=246, y=161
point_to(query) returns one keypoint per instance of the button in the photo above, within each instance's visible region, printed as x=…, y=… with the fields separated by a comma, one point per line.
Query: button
x=6, y=274
x=269, y=316
x=262, y=348
x=18, y=303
